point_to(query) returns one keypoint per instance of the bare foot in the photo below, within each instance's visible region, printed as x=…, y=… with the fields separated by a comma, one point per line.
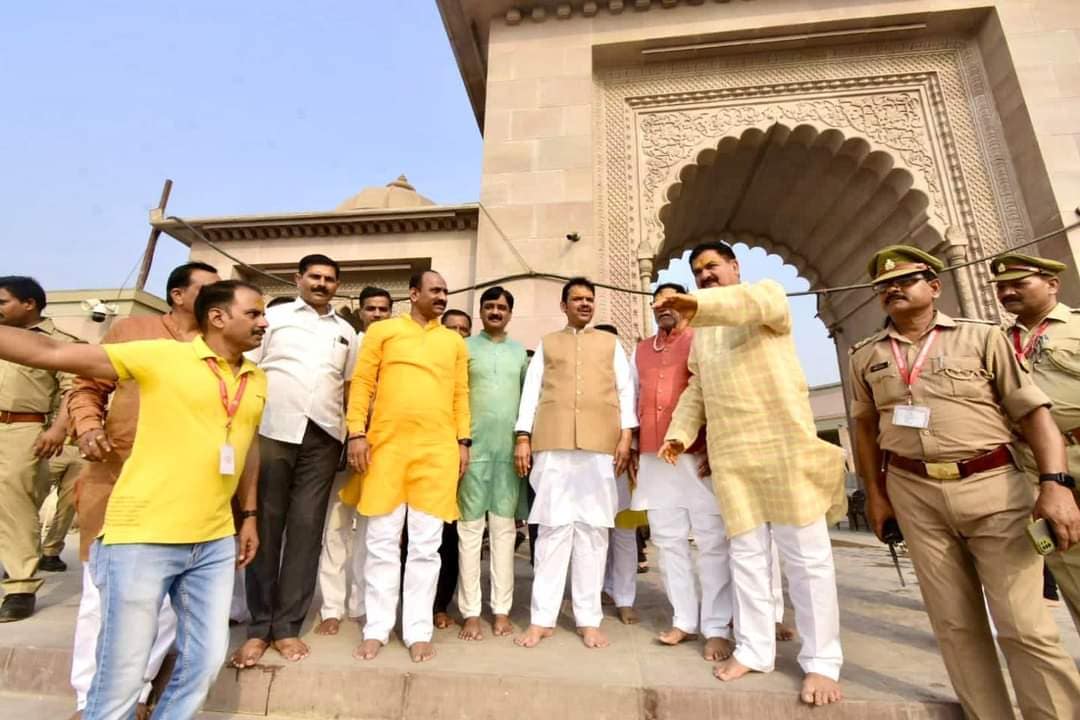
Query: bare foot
x=142, y=711
x=606, y=599
x=248, y=654
x=674, y=636
x=532, y=636
x=471, y=630
x=730, y=669
x=421, y=652
x=329, y=626
x=443, y=620
x=628, y=616
x=784, y=633
x=718, y=648
x=502, y=627
x=592, y=637
x=292, y=649
x=367, y=650
x=820, y=690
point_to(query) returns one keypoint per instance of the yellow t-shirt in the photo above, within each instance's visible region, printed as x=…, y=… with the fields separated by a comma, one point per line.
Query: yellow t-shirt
x=171, y=489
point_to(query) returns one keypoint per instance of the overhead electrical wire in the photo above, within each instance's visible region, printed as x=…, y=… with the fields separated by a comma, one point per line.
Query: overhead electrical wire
x=531, y=274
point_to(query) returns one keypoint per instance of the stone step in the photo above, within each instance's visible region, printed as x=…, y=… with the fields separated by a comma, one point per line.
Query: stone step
x=364, y=692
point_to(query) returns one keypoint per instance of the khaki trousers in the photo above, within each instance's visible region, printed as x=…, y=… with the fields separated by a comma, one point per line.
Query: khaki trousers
x=968, y=536
x=20, y=539
x=59, y=472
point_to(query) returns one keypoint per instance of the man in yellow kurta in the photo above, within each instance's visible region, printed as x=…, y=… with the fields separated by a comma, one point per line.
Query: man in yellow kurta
x=775, y=480
x=408, y=460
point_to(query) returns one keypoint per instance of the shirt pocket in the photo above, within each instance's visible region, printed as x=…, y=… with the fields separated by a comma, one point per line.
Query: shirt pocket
x=1064, y=354
x=887, y=387
x=963, y=376
x=339, y=353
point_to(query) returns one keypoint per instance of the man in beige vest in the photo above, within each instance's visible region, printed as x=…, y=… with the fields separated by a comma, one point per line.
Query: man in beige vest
x=574, y=431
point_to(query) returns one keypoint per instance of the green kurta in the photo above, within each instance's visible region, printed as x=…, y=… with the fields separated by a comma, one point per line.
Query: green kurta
x=496, y=371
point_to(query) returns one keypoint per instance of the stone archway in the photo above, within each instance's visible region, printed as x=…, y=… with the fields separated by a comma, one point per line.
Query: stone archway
x=897, y=134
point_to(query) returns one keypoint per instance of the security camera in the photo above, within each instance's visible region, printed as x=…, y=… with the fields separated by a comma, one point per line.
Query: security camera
x=573, y=237
x=98, y=310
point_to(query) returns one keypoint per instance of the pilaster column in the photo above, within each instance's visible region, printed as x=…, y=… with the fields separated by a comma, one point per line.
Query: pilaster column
x=956, y=252
x=645, y=272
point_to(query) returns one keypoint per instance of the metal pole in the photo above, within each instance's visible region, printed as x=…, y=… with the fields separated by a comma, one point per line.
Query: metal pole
x=151, y=242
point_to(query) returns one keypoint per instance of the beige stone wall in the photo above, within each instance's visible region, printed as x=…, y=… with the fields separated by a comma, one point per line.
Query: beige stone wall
x=541, y=151
x=66, y=310
x=452, y=253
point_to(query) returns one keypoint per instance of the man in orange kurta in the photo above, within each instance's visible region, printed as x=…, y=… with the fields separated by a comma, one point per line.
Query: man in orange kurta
x=408, y=460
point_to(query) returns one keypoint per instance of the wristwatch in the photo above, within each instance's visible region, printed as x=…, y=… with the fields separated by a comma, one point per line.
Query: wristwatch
x=245, y=514
x=465, y=442
x=1063, y=479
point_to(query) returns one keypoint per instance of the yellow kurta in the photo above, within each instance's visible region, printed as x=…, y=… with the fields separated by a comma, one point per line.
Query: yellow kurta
x=418, y=379
x=768, y=464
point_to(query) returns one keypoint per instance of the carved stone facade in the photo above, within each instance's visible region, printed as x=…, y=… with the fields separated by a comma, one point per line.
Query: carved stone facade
x=922, y=102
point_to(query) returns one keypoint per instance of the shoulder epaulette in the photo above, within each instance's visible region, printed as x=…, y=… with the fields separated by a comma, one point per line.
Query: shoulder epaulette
x=865, y=341
x=978, y=321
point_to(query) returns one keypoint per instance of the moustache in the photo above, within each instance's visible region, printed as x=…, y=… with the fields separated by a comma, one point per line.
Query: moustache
x=319, y=290
x=895, y=296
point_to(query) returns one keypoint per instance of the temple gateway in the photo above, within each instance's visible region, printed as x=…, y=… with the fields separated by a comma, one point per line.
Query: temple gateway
x=616, y=133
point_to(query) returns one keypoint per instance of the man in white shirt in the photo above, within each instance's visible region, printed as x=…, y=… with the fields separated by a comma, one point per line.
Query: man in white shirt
x=341, y=565
x=308, y=354
x=577, y=415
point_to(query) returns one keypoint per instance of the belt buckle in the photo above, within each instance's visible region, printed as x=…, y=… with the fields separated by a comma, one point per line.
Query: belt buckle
x=943, y=471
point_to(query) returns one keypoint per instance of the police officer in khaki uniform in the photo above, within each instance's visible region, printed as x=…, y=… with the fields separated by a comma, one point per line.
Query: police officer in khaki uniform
x=1046, y=340
x=26, y=397
x=932, y=401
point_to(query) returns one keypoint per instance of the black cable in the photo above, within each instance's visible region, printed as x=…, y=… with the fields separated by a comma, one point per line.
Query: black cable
x=553, y=277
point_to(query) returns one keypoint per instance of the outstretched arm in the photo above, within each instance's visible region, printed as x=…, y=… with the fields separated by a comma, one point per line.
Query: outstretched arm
x=37, y=350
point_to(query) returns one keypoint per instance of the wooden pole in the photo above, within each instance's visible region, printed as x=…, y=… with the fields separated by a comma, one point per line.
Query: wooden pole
x=151, y=242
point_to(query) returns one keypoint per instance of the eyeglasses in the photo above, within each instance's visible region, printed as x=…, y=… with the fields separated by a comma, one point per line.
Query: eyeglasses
x=904, y=281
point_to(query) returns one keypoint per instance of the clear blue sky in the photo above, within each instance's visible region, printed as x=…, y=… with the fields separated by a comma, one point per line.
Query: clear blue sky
x=248, y=107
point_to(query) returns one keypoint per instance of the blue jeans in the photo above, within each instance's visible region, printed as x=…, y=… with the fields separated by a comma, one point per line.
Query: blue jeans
x=133, y=579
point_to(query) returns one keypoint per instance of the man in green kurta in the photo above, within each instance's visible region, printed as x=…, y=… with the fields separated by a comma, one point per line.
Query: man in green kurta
x=491, y=487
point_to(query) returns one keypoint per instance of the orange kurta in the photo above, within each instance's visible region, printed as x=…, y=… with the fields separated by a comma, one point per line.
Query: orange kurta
x=418, y=379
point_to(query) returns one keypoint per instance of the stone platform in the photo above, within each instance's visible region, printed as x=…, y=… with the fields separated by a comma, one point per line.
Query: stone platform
x=892, y=667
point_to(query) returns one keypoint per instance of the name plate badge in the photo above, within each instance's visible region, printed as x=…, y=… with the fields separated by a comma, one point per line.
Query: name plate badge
x=912, y=416
x=227, y=460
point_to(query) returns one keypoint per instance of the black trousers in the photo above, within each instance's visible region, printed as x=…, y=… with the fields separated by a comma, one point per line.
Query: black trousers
x=448, y=571
x=294, y=489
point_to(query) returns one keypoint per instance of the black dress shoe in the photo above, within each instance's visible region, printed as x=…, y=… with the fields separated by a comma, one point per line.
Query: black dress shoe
x=17, y=606
x=52, y=563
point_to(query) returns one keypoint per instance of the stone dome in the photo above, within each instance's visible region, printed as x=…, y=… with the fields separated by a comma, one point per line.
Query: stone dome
x=397, y=194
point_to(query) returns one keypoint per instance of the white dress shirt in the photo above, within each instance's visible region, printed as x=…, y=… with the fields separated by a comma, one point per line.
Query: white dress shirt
x=575, y=485
x=307, y=358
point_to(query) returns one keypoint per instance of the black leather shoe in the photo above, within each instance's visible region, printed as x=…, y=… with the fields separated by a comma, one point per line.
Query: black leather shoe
x=52, y=563
x=17, y=606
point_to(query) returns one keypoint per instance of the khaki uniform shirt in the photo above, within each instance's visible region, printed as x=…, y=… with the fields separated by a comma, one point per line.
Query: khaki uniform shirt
x=1054, y=365
x=30, y=390
x=970, y=381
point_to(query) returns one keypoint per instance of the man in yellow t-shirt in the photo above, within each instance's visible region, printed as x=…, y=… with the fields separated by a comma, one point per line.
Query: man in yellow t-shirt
x=168, y=527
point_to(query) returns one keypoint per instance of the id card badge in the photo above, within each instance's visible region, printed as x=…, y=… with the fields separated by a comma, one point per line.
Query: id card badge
x=227, y=460
x=912, y=416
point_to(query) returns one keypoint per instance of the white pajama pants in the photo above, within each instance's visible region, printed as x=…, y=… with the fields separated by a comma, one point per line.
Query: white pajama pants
x=709, y=611
x=808, y=562
x=382, y=574
x=87, y=629
x=583, y=549
x=341, y=562
x=501, y=532
x=620, y=575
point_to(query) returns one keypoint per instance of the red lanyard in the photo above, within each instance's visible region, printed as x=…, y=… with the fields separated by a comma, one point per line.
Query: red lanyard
x=909, y=378
x=230, y=407
x=1024, y=351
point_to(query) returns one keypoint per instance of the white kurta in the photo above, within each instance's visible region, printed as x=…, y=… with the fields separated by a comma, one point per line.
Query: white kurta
x=574, y=485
